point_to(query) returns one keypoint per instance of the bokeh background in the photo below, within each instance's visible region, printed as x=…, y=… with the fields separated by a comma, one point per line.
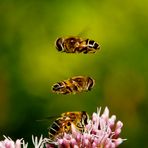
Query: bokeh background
x=30, y=64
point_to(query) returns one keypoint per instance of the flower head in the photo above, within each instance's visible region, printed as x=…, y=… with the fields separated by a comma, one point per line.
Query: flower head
x=20, y=143
x=9, y=143
x=101, y=132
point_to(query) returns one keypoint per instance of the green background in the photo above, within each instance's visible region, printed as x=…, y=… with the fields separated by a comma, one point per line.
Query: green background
x=30, y=64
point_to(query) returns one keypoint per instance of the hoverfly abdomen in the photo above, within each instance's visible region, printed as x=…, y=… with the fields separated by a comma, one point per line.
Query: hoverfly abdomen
x=54, y=128
x=92, y=46
x=96, y=46
x=91, y=43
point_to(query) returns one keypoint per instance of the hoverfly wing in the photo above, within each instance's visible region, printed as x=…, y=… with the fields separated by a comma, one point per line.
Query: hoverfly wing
x=47, y=118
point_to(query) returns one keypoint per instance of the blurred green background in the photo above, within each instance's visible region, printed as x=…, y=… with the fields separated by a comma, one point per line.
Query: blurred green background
x=30, y=64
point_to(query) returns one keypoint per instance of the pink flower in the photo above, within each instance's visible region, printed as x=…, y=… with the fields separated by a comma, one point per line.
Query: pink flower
x=20, y=143
x=9, y=143
x=101, y=132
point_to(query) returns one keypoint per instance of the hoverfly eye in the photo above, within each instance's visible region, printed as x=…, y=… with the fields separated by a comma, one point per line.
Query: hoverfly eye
x=56, y=87
x=85, y=118
x=59, y=44
x=90, y=83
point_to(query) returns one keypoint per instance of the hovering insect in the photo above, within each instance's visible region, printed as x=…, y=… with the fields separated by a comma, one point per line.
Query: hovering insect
x=76, y=45
x=63, y=124
x=74, y=85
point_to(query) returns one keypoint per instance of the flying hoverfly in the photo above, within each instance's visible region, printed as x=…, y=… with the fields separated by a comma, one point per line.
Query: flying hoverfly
x=76, y=45
x=74, y=85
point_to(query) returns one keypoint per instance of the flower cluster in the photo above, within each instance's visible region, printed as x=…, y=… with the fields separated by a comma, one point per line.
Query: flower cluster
x=101, y=132
x=20, y=143
x=9, y=143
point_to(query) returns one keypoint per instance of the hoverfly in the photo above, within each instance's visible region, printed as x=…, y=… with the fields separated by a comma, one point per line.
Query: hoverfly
x=63, y=124
x=74, y=85
x=76, y=45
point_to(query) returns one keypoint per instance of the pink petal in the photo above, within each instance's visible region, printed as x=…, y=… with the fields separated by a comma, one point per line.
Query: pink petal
x=106, y=113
